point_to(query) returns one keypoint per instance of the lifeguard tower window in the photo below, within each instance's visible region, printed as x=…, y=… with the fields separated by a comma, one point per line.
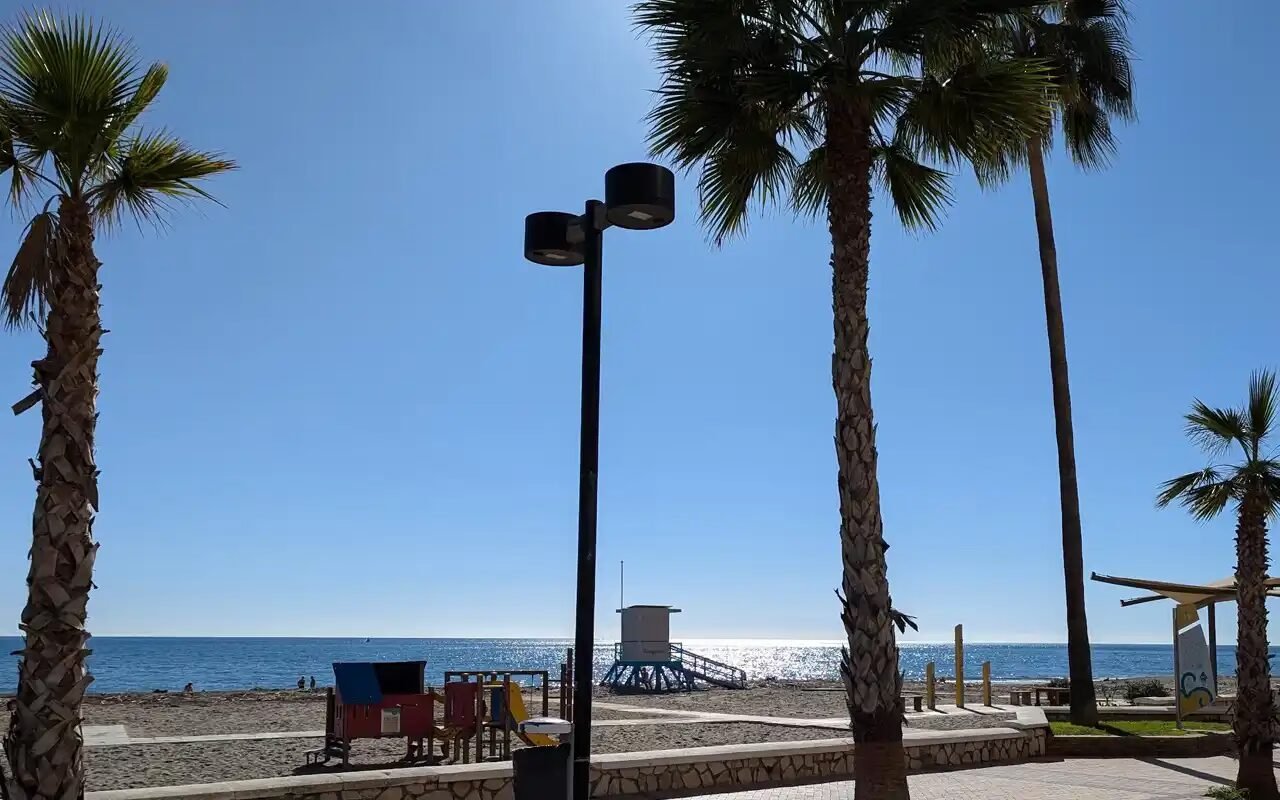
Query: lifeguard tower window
x=399, y=677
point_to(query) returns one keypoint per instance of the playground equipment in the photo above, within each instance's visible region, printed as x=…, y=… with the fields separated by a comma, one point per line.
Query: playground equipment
x=390, y=700
x=504, y=710
x=646, y=661
x=378, y=701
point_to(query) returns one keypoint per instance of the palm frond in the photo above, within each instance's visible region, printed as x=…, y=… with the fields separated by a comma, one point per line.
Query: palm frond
x=699, y=106
x=736, y=94
x=28, y=283
x=1271, y=491
x=1177, y=488
x=887, y=97
x=1087, y=132
x=1100, y=56
x=11, y=161
x=148, y=88
x=920, y=193
x=153, y=171
x=732, y=177
x=1085, y=46
x=1207, y=502
x=1094, y=81
x=662, y=16
x=1205, y=493
x=941, y=33
x=690, y=118
x=1079, y=12
x=1256, y=478
x=903, y=621
x=746, y=84
x=1264, y=401
x=979, y=109
x=61, y=83
x=995, y=167
x=1215, y=429
x=810, y=184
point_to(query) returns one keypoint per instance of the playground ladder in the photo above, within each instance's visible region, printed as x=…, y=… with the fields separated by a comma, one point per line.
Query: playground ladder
x=716, y=673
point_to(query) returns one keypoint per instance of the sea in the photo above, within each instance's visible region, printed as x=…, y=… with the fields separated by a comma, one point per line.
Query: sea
x=146, y=664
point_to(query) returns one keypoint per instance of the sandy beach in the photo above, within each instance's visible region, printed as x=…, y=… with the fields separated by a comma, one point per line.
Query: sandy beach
x=662, y=722
x=120, y=766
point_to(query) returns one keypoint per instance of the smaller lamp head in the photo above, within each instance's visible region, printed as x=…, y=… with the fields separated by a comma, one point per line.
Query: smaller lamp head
x=547, y=239
x=640, y=196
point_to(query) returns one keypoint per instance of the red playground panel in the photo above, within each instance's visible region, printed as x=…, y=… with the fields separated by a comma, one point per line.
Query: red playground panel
x=378, y=701
x=460, y=704
x=410, y=716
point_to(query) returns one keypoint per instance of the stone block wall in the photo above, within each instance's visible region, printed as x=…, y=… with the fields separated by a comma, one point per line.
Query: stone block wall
x=950, y=755
x=829, y=759
x=459, y=782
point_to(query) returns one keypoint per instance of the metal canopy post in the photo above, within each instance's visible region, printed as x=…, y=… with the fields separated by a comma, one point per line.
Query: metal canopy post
x=1213, y=644
x=1177, y=672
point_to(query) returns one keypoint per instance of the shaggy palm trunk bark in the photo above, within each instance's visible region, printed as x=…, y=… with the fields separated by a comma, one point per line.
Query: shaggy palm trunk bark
x=1253, y=669
x=44, y=742
x=1084, y=702
x=869, y=666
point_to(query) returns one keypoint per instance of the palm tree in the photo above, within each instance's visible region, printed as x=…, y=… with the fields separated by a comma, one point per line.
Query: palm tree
x=1252, y=487
x=819, y=100
x=71, y=94
x=1085, y=43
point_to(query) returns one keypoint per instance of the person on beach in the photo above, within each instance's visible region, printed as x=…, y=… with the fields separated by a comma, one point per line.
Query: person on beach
x=188, y=689
x=302, y=682
x=313, y=683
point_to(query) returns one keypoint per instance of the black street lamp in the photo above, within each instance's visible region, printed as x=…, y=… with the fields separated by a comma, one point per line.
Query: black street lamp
x=638, y=197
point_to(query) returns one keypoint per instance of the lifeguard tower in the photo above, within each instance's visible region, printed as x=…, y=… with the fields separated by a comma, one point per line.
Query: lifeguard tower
x=646, y=661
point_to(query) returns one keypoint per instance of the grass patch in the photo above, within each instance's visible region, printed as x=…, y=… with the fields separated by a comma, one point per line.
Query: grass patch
x=1139, y=728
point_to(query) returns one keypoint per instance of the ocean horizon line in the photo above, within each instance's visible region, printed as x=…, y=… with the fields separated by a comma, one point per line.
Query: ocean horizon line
x=723, y=641
x=124, y=664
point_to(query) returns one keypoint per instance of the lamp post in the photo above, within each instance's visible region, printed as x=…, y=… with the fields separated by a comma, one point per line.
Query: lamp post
x=637, y=196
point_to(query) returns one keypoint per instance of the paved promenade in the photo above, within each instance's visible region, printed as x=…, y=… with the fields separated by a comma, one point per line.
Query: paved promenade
x=1077, y=779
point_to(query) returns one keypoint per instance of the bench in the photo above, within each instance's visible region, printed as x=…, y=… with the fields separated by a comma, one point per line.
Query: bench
x=1057, y=695
x=914, y=700
x=1020, y=697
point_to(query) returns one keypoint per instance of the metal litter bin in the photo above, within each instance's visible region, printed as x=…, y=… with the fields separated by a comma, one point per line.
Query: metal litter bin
x=543, y=773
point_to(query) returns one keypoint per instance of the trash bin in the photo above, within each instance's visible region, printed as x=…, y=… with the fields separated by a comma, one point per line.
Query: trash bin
x=543, y=773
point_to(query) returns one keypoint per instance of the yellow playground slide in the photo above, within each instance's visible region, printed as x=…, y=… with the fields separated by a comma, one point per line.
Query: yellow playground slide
x=515, y=706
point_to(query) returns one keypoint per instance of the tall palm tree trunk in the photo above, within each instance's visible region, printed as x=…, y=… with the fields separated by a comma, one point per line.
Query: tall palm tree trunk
x=44, y=743
x=869, y=666
x=1084, y=702
x=1253, y=669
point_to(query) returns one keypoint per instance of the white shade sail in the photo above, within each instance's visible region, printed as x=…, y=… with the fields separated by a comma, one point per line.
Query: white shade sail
x=1200, y=595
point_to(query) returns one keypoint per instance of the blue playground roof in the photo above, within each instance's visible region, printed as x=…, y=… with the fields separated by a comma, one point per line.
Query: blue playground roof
x=357, y=683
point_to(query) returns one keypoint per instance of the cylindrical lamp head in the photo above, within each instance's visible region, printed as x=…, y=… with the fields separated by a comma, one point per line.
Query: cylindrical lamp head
x=640, y=196
x=546, y=239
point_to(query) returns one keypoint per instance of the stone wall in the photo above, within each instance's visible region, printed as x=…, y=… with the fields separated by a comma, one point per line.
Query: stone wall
x=670, y=773
x=636, y=776
x=457, y=782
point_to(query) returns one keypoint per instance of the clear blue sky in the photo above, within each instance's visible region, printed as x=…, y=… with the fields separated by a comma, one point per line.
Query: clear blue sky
x=344, y=404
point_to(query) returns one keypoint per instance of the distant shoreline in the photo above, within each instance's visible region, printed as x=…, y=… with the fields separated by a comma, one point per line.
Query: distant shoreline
x=765, y=641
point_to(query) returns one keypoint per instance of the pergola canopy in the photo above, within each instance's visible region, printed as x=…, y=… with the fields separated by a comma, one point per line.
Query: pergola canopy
x=1183, y=593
